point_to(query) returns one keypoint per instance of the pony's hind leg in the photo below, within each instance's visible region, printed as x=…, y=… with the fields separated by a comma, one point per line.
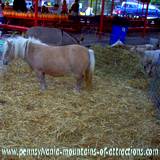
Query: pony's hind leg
x=79, y=82
x=41, y=78
x=88, y=79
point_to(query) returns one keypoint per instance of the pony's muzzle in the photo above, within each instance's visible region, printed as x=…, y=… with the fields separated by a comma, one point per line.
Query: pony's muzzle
x=5, y=62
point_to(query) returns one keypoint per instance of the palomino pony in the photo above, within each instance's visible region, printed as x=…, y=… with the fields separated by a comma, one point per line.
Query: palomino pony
x=73, y=60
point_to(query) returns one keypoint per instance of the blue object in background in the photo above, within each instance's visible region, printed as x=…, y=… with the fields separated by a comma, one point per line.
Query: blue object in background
x=118, y=33
x=1, y=46
x=1, y=20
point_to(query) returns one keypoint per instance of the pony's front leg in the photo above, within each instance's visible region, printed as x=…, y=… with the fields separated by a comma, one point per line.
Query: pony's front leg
x=41, y=78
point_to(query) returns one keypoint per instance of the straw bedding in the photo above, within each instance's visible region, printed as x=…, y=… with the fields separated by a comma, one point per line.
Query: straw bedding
x=115, y=113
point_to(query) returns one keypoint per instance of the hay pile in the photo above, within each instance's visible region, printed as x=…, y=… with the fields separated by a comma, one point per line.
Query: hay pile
x=114, y=114
x=119, y=62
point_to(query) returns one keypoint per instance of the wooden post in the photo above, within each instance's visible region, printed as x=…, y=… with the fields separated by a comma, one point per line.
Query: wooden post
x=143, y=8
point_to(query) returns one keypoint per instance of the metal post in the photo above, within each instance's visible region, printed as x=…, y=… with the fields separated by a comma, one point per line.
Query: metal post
x=112, y=7
x=91, y=3
x=137, y=11
x=36, y=13
x=145, y=20
x=143, y=8
x=91, y=6
x=124, y=9
x=101, y=18
x=96, y=7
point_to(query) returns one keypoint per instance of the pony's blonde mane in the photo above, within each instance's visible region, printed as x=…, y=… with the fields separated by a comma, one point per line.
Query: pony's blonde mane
x=21, y=45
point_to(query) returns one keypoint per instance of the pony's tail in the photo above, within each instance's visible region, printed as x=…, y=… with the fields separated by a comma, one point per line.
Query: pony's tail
x=89, y=71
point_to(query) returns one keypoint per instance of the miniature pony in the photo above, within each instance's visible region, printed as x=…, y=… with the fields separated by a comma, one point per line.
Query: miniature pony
x=44, y=59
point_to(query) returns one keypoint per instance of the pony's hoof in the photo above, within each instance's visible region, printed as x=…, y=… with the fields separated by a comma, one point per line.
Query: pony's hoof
x=76, y=90
x=42, y=91
x=43, y=88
